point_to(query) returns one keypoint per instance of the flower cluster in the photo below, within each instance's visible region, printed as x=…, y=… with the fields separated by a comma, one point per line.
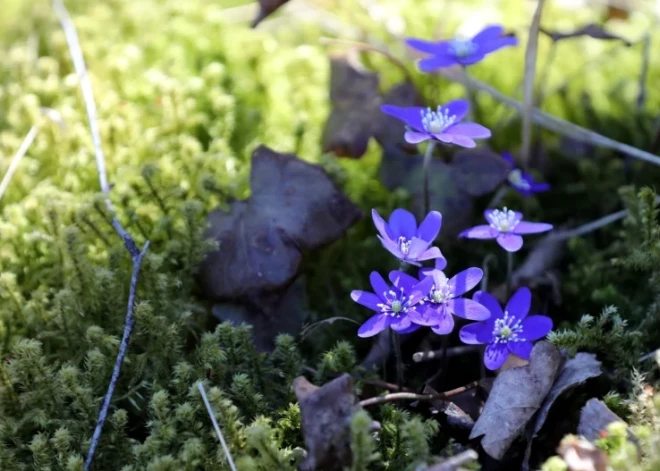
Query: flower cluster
x=430, y=298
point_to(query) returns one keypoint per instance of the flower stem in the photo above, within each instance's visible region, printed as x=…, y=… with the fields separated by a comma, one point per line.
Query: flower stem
x=427, y=163
x=468, y=95
x=509, y=272
x=396, y=347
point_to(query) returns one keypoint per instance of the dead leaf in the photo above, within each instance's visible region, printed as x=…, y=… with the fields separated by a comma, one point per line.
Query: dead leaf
x=294, y=207
x=594, y=418
x=355, y=101
x=574, y=372
x=516, y=396
x=582, y=455
x=326, y=422
x=464, y=408
x=387, y=129
x=266, y=8
x=592, y=30
x=479, y=171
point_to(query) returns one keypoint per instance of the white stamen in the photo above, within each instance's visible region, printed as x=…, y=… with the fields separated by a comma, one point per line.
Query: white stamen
x=517, y=180
x=435, y=122
x=507, y=329
x=462, y=47
x=404, y=245
x=440, y=294
x=504, y=220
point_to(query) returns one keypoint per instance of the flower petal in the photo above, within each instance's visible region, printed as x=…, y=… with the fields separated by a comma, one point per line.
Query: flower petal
x=510, y=242
x=445, y=323
x=380, y=224
x=472, y=58
x=521, y=349
x=519, y=304
x=479, y=232
x=430, y=254
x=476, y=333
x=440, y=263
x=495, y=44
x=366, y=299
x=425, y=315
x=495, y=355
x=524, y=227
x=402, y=224
x=462, y=141
x=403, y=280
x=539, y=187
x=411, y=115
x=458, y=108
x=391, y=246
x=420, y=290
x=468, y=309
x=378, y=284
x=489, y=301
x=488, y=33
x=466, y=280
x=429, y=47
x=436, y=62
x=414, y=137
x=409, y=330
x=416, y=248
x=374, y=325
x=509, y=158
x=429, y=229
x=536, y=327
x=472, y=130
x=400, y=324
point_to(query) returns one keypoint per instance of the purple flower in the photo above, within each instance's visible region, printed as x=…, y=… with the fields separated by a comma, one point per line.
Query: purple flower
x=407, y=242
x=522, y=181
x=394, y=304
x=444, y=298
x=506, y=227
x=441, y=125
x=506, y=332
x=460, y=50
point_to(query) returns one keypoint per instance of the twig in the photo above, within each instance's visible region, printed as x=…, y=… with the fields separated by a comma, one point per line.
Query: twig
x=385, y=385
x=451, y=352
x=399, y=396
x=553, y=123
x=454, y=462
x=20, y=153
x=528, y=87
x=218, y=432
x=641, y=97
x=136, y=255
x=648, y=356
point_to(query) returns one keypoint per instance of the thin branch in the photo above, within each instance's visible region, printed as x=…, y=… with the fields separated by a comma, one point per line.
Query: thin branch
x=528, y=87
x=553, y=123
x=646, y=53
x=218, y=432
x=136, y=255
x=454, y=462
x=402, y=396
x=451, y=352
x=20, y=153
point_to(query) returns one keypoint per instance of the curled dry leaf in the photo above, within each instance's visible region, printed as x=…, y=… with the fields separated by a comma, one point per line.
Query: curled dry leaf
x=266, y=8
x=582, y=455
x=294, y=207
x=326, y=422
x=355, y=101
x=574, y=372
x=592, y=30
x=594, y=418
x=516, y=396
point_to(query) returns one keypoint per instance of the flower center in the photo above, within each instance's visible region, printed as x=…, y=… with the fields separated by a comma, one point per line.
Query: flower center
x=517, y=180
x=507, y=329
x=435, y=122
x=404, y=245
x=440, y=294
x=462, y=47
x=396, y=303
x=504, y=220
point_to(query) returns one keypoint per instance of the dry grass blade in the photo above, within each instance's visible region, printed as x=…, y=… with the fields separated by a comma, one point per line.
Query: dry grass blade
x=553, y=123
x=209, y=409
x=20, y=153
x=528, y=87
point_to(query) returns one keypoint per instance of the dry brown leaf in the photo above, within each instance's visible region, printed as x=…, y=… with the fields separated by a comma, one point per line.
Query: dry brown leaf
x=582, y=455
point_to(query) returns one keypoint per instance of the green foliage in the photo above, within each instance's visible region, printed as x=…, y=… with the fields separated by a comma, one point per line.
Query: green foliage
x=363, y=445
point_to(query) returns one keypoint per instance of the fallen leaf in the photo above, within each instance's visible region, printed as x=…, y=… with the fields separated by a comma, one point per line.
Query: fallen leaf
x=387, y=129
x=594, y=418
x=355, y=101
x=592, y=30
x=516, y=396
x=326, y=422
x=283, y=315
x=294, y=207
x=266, y=8
x=574, y=372
x=479, y=171
x=582, y=455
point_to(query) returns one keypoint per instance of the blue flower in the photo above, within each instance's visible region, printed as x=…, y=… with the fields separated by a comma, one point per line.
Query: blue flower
x=459, y=50
x=508, y=331
x=394, y=305
x=407, y=242
x=522, y=181
x=442, y=125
